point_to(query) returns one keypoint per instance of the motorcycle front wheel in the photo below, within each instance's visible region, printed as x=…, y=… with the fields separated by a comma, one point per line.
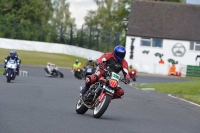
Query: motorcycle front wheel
x=9, y=77
x=61, y=75
x=80, y=108
x=101, y=107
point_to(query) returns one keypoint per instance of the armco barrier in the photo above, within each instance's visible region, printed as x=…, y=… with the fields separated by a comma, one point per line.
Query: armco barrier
x=193, y=71
x=48, y=48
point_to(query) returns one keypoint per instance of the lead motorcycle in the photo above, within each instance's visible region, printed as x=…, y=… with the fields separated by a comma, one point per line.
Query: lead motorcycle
x=11, y=70
x=99, y=95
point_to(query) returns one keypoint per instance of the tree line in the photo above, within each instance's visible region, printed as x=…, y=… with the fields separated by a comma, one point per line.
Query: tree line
x=51, y=21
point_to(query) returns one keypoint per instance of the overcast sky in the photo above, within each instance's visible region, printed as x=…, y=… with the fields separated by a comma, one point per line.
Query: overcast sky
x=79, y=9
x=193, y=1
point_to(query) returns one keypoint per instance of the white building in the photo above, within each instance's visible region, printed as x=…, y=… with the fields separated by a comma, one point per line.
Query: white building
x=167, y=29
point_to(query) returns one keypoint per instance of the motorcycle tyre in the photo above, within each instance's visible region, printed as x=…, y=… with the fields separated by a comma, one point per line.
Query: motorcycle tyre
x=54, y=74
x=80, y=109
x=105, y=103
x=9, y=77
x=61, y=75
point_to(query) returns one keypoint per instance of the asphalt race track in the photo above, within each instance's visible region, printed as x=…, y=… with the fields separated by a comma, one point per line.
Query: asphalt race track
x=39, y=104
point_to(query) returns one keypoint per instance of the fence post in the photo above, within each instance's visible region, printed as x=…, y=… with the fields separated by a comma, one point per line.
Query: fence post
x=41, y=31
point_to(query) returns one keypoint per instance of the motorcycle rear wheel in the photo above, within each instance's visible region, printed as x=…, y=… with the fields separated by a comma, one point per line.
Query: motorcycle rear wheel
x=101, y=107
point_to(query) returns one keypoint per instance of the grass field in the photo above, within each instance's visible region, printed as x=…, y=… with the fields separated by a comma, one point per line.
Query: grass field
x=1, y=70
x=187, y=90
x=41, y=58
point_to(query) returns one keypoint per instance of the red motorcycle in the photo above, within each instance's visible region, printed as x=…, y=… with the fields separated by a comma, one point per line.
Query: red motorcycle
x=99, y=95
x=132, y=74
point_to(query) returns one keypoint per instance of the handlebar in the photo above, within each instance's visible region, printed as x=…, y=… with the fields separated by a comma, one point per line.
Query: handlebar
x=123, y=80
x=101, y=67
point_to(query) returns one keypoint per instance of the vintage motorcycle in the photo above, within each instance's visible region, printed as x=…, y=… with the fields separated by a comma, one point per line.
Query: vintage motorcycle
x=55, y=72
x=11, y=70
x=99, y=95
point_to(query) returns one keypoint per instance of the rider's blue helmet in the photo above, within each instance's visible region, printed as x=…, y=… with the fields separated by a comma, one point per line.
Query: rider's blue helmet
x=12, y=53
x=119, y=52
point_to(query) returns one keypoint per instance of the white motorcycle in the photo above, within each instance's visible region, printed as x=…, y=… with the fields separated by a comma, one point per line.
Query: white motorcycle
x=55, y=73
x=11, y=67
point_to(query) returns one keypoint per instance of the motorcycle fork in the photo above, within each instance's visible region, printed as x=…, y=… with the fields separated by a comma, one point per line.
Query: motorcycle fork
x=101, y=96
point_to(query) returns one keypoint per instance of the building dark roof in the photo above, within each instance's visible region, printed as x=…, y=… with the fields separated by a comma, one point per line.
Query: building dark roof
x=165, y=20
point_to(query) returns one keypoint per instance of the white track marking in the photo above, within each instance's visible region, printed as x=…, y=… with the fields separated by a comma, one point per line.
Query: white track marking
x=183, y=100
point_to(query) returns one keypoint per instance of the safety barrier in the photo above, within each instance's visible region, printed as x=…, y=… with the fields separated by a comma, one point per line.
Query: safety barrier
x=48, y=48
x=193, y=71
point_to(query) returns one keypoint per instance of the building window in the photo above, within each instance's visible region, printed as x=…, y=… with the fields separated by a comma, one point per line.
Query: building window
x=146, y=42
x=191, y=45
x=152, y=42
x=195, y=46
x=156, y=42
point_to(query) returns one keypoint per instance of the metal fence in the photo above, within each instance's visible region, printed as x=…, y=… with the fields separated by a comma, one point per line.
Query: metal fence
x=88, y=37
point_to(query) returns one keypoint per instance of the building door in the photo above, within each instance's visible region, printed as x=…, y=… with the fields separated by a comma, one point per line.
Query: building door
x=198, y=60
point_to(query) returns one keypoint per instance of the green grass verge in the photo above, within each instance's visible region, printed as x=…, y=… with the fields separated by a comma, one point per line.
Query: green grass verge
x=188, y=90
x=41, y=58
x=1, y=70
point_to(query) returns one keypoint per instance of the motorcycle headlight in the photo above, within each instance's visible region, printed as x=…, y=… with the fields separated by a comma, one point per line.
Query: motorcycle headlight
x=113, y=83
x=132, y=72
x=78, y=70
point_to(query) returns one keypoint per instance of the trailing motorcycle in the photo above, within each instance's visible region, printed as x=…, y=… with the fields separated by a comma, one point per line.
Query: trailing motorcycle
x=78, y=73
x=132, y=74
x=99, y=95
x=55, y=72
x=11, y=70
x=88, y=71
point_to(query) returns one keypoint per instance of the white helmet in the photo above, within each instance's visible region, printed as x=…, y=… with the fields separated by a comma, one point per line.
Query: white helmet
x=89, y=59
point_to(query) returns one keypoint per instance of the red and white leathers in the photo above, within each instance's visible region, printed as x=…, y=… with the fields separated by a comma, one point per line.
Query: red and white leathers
x=109, y=61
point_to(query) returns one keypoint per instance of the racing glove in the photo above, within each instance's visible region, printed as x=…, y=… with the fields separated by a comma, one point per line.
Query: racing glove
x=127, y=80
x=103, y=65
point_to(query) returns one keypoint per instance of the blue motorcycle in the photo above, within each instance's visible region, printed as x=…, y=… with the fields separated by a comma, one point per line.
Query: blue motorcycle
x=89, y=70
x=11, y=67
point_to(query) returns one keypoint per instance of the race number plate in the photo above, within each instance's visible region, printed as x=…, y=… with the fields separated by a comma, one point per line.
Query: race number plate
x=115, y=76
x=89, y=70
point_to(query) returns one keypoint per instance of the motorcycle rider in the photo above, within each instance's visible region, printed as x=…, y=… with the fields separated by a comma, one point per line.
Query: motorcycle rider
x=90, y=62
x=76, y=65
x=113, y=61
x=50, y=67
x=13, y=57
